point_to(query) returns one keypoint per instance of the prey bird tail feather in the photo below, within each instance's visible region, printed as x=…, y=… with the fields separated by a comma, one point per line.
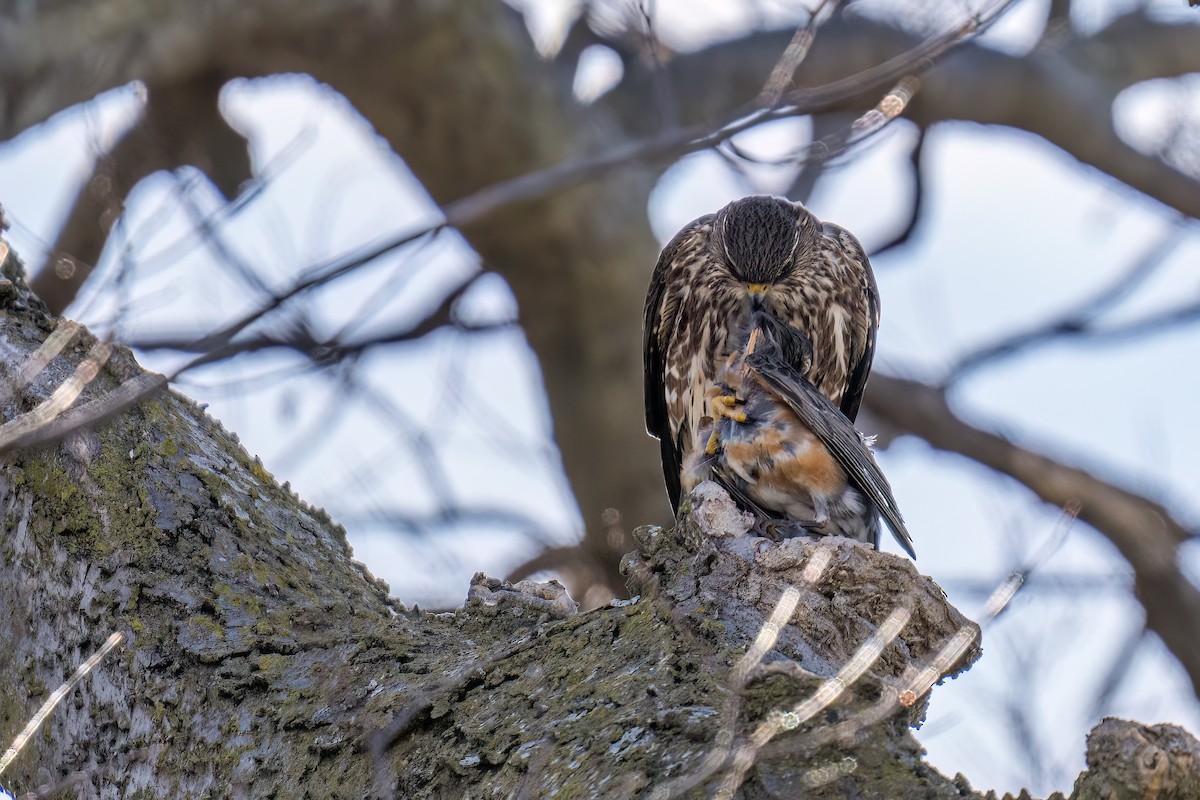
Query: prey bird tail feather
x=732, y=486
x=826, y=422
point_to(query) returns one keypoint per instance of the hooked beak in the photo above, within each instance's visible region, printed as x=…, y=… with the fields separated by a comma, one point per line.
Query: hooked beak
x=757, y=292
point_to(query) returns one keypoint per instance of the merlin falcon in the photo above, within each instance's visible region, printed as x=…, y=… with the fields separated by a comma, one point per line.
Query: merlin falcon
x=759, y=332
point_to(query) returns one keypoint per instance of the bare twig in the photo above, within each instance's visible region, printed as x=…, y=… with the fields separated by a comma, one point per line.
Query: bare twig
x=746, y=666
x=1119, y=670
x=181, y=123
x=1081, y=320
x=221, y=343
x=1183, y=314
x=1067, y=584
x=825, y=695
x=62, y=336
x=839, y=141
x=175, y=249
x=675, y=143
x=319, y=276
x=211, y=235
x=70, y=389
x=52, y=419
x=917, y=205
x=736, y=758
x=27, y=431
x=830, y=129
x=792, y=57
x=919, y=681
x=297, y=336
x=1008, y=588
x=667, y=102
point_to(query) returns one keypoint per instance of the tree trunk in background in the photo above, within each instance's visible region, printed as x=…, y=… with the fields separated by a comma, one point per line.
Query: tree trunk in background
x=478, y=107
x=463, y=97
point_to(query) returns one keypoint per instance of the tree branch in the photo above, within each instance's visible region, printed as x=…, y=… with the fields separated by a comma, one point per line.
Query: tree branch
x=1143, y=531
x=1062, y=94
x=1081, y=320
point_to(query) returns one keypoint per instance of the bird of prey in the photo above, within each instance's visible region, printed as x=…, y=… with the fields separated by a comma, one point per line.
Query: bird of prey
x=758, y=254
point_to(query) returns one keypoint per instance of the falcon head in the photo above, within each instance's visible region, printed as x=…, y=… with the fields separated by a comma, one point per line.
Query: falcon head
x=758, y=238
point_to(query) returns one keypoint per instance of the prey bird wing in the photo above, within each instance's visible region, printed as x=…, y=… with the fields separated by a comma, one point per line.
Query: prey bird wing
x=827, y=422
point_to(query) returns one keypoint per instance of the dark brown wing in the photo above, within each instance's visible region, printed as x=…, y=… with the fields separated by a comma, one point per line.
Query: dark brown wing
x=659, y=324
x=856, y=384
x=834, y=430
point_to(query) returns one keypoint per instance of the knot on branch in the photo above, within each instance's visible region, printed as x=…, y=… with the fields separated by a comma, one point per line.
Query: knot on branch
x=545, y=601
x=1128, y=759
x=14, y=291
x=727, y=581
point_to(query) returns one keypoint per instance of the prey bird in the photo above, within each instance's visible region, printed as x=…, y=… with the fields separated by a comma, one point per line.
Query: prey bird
x=783, y=448
x=758, y=255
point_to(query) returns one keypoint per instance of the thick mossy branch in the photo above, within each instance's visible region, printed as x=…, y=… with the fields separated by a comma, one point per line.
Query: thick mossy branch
x=624, y=700
x=247, y=620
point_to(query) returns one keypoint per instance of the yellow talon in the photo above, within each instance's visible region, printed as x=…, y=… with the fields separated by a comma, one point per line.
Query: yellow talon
x=714, y=443
x=723, y=405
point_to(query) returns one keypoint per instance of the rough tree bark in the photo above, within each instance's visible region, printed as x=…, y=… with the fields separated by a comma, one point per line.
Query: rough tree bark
x=262, y=661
